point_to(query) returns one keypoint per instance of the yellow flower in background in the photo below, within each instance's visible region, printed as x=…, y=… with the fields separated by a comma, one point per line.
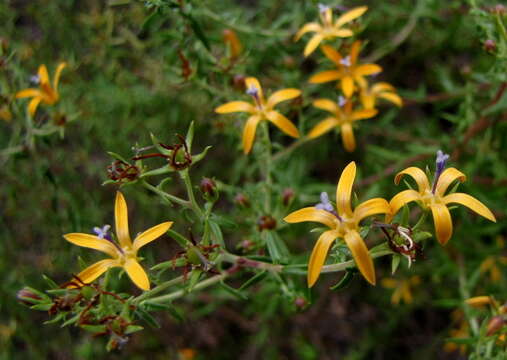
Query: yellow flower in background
x=434, y=198
x=328, y=30
x=231, y=39
x=261, y=110
x=490, y=265
x=343, y=223
x=402, y=289
x=478, y=301
x=462, y=331
x=47, y=92
x=124, y=253
x=383, y=90
x=343, y=116
x=349, y=72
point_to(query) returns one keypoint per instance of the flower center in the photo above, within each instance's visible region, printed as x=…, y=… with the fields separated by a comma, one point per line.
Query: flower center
x=254, y=93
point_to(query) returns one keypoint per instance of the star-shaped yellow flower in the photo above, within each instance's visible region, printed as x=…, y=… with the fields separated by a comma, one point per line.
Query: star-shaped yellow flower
x=369, y=95
x=349, y=72
x=434, y=198
x=402, y=289
x=47, y=93
x=328, y=29
x=261, y=110
x=343, y=223
x=343, y=116
x=124, y=253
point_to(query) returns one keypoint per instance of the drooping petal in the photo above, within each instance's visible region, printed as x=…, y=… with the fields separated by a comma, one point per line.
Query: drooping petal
x=368, y=100
x=312, y=214
x=479, y=301
x=58, y=72
x=325, y=76
x=371, y=207
x=137, y=274
x=447, y=178
x=249, y=132
x=310, y=27
x=235, y=106
x=367, y=69
x=401, y=199
x=323, y=127
x=319, y=254
x=122, y=220
x=332, y=55
x=282, y=95
x=348, y=86
x=283, y=123
x=344, y=189
x=28, y=93
x=326, y=104
x=313, y=44
x=252, y=82
x=361, y=255
x=349, y=141
x=92, y=242
x=382, y=87
x=43, y=74
x=33, y=104
x=417, y=174
x=392, y=97
x=471, y=203
x=151, y=234
x=363, y=114
x=443, y=222
x=342, y=33
x=354, y=51
x=350, y=15
x=94, y=271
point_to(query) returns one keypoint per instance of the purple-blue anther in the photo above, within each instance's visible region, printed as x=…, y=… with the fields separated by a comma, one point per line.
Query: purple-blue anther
x=103, y=232
x=441, y=160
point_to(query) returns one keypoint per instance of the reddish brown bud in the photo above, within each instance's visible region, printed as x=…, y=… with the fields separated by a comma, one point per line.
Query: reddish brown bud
x=242, y=200
x=208, y=187
x=60, y=119
x=266, y=222
x=25, y=295
x=287, y=196
x=238, y=82
x=499, y=9
x=300, y=302
x=490, y=45
x=495, y=324
x=289, y=62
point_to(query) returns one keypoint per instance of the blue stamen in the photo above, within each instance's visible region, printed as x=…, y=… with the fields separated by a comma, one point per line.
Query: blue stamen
x=345, y=61
x=326, y=205
x=440, y=167
x=103, y=232
x=341, y=101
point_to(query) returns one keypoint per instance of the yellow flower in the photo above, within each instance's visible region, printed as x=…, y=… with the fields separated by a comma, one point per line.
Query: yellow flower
x=47, y=94
x=460, y=332
x=343, y=223
x=478, y=301
x=402, y=289
x=434, y=198
x=261, y=110
x=490, y=264
x=349, y=72
x=343, y=117
x=328, y=29
x=369, y=95
x=231, y=39
x=123, y=254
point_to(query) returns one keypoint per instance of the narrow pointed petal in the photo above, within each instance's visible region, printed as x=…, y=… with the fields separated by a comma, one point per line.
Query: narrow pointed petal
x=33, y=105
x=151, y=234
x=92, y=242
x=343, y=33
x=92, y=272
x=447, y=178
x=253, y=82
x=382, y=87
x=323, y=127
x=471, y=203
x=283, y=123
x=364, y=114
x=349, y=141
x=417, y=174
x=28, y=93
x=443, y=223
x=313, y=44
x=354, y=51
x=325, y=76
x=282, y=95
x=43, y=74
x=122, y=220
x=310, y=27
x=361, y=255
x=350, y=15
x=326, y=104
x=235, y=106
x=344, y=189
x=58, y=72
x=392, y=97
x=371, y=207
x=249, y=132
x=368, y=101
x=401, y=199
x=137, y=274
x=367, y=69
x=479, y=301
x=332, y=55
x=348, y=86
x=319, y=254
x=312, y=214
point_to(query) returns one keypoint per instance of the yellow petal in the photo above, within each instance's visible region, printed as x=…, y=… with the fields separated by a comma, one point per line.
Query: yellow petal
x=354, y=52
x=32, y=106
x=94, y=271
x=349, y=141
x=253, y=82
x=443, y=223
x=137, y=274
x=350, y=15
x=43, y=74
x=282, y=95
x=478, y=301
x=418, y=175
x=249, y=132
x=326, y=104
x=447, y=177
x=371, y=207
x=235, y=106
x=58, y=72
x=310, y=27
x=122, y=220
x=361, y=255
x=471, y=203
x=332, y=55
x=389, y=283
x=348, y=86
x=283, y=123
x=367, y=69
x=344, y=189
x=313, y=44
x=401, y=199
x=363, y=114
x=323, y=127
x=392, y=97
x=325, y=76
x=319, y=254
x=312, y=214
x=368, y=100
x=382, y=87
x=151, y=234
x=342, y=33
x=92, y=242
x=28, y=93
x=328, y=15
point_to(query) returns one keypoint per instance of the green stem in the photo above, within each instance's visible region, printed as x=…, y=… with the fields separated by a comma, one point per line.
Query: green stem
x=344, y=265
x=185, y=176
x=159, y=288
x=235, y=259
x=168, y=196
x=289, y=149
x=268, y=181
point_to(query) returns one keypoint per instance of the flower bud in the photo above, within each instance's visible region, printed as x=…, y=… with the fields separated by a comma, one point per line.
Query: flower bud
x=499, y=9
x=238, y=82
x=266, y=222
x=27, y=296
x=287, y=196
x=242, y=200
x=208, y=188
x=300, y=302
x=495, y=324
x=489, y=45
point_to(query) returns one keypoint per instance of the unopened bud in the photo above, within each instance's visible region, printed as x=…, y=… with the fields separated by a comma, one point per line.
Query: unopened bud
x=27, y=296
x=490, y=45
x=60, y=119
x=499, y=9
x=242, y=200
x=208, y=187
x=300, y=302
x=495, y=324
x=238, y=82
x=287, y=196
x=289, y=62
x=266, y=222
